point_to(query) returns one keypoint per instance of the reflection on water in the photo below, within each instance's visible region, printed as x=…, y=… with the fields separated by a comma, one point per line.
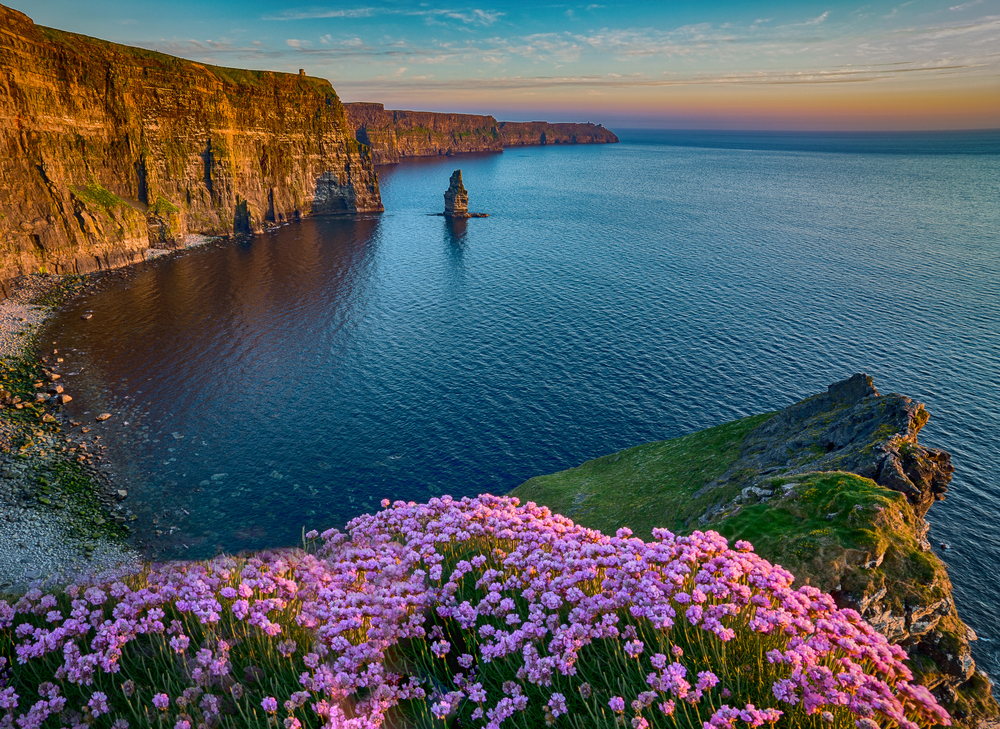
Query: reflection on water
x=455, y=231
x=200, y=350
x=294, y=380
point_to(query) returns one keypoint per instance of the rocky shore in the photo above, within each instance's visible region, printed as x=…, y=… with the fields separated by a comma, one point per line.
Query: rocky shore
x=60, y=516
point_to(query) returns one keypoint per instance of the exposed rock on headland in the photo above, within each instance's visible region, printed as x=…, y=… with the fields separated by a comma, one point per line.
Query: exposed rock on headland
x=395, y=134
x=835, y=488
x=107, y=151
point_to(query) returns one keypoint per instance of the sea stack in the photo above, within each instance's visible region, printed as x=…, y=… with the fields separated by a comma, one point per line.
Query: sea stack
x=456, y=199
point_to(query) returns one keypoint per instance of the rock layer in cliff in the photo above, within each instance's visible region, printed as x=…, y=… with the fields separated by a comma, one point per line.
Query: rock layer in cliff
x=107, y=151
x=393, y=134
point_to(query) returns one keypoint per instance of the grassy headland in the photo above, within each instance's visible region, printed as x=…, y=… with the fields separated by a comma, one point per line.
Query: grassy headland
x=775, y=480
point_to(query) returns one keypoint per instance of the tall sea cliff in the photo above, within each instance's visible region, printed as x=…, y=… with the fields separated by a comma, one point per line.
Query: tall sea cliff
x=109, y=150
x=395, y=134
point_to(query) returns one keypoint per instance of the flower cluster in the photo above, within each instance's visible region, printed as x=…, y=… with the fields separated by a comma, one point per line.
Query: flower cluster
x=481, y=608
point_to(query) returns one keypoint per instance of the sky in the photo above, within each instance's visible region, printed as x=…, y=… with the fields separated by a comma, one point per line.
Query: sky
x=836, y=65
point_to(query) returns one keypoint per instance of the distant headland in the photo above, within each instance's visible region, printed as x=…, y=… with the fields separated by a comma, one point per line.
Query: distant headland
x=394, y=135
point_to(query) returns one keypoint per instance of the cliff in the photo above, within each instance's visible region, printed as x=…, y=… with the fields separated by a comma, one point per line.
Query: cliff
x=393, y=135
x=834, y=488
x=109, y=150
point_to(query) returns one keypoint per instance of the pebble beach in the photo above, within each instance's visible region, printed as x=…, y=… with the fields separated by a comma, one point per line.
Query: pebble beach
x=43, y=539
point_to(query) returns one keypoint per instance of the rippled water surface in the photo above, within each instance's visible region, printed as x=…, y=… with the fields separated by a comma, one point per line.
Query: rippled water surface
x=616, y=294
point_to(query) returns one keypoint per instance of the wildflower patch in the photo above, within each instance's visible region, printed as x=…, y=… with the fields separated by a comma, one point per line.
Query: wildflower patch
x=473, y=613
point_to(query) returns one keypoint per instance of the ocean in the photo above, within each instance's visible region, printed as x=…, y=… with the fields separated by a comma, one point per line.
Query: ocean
x=617, y=294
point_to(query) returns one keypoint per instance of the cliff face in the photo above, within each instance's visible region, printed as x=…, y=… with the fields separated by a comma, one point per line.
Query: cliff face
x=393, y=135
x=529, y=134
x=835, y=488
x=107, y=151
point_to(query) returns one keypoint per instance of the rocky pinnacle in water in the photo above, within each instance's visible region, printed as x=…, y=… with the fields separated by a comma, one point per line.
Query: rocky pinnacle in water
x=456, y=199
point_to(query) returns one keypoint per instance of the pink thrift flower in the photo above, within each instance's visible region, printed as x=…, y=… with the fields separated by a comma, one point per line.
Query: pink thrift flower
x=557, y=704
x=634, y=648
x=161, y=701
x=269, y=704
x=98, y=703
x=617, y=704
x=8, y=699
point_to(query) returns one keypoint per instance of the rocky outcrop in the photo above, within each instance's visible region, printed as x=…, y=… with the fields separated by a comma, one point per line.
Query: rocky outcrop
x=890, y=576
x=835, y=488
x=849, y=428
x=393, y=135
x=107, y=151
x=456, y=199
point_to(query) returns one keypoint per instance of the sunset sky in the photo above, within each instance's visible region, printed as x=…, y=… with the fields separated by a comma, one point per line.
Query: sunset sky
x=923, y=64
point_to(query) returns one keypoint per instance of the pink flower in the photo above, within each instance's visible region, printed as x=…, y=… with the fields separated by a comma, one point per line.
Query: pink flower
x=557, y=704
x=634, y=648
x=161, y=701
x=98, y=703
x=8, y=699
x=617, y=704
x=269, y=704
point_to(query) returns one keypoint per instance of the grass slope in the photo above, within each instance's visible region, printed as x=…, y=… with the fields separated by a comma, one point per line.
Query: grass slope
x=647, y=486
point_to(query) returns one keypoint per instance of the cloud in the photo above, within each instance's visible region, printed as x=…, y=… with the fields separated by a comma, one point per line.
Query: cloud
x=595, y=83
x=966, y=6
x=823, y=49
x=474, y=16
x=820, y=19
x=320, y=14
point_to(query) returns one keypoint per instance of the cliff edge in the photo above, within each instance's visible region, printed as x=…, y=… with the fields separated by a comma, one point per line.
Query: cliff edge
x=834, y=488
x=396, y=134
x=109, y=150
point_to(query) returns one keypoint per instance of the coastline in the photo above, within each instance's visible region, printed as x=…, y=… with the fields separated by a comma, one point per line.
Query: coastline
x=61, y=516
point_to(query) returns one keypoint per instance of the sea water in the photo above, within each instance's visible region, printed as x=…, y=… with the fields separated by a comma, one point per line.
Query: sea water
x=617, y=294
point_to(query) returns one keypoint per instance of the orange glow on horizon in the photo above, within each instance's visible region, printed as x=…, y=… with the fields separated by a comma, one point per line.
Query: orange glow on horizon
x=960, y=103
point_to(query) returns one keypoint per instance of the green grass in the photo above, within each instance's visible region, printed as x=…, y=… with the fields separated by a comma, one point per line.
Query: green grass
x=96, y=194
x=162, y=206
x=648, y=486
x=830, y=526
